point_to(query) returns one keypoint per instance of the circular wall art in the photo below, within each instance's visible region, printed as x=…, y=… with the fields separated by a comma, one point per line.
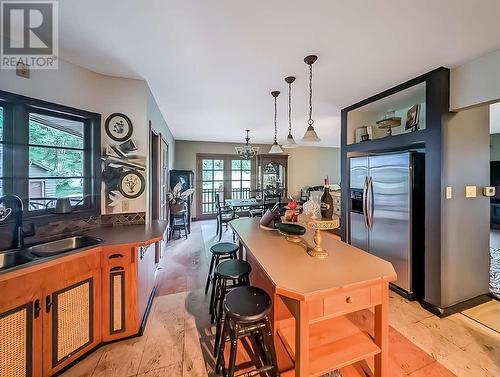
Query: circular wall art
x=118, y=127
x=131, y=184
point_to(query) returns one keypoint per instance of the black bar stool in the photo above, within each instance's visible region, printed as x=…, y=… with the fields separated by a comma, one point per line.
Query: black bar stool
x=220, y=251
x=247, y=314
x=234, y=271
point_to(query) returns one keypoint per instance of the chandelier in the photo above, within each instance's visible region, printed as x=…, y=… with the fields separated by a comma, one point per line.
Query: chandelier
x=247, y=152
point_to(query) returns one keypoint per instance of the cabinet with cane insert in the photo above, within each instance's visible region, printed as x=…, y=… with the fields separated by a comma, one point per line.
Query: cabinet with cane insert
x=49, y=316
x=53, y=313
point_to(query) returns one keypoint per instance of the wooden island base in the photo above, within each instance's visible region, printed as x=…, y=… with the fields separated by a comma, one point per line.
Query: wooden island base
x=313, y=335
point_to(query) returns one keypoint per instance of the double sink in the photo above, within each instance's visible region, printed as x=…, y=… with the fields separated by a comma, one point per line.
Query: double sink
x=13, y=258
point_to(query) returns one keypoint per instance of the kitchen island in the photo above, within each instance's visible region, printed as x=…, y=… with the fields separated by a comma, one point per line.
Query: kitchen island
x=312, y=297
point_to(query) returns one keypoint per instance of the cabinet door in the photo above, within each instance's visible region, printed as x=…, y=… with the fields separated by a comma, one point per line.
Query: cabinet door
x=20, y=339
x=71, y=321
x=146, y=276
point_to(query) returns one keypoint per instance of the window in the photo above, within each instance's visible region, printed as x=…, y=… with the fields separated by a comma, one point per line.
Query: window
x=225, y=175
x=49, y=151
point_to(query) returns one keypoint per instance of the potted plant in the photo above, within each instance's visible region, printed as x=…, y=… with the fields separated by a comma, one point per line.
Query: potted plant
x=177, y=197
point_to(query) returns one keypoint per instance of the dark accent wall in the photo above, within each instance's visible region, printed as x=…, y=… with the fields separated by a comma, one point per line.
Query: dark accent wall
x=430, y=140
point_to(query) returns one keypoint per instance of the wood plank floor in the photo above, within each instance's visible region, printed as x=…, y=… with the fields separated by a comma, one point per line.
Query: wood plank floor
x=178, y=339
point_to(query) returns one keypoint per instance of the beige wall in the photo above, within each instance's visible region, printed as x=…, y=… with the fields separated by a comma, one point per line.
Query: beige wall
x=465, y=221
x=475, y=82
x=307, y=166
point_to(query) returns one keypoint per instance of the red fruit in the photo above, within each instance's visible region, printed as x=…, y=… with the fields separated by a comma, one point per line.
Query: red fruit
x=292, y=204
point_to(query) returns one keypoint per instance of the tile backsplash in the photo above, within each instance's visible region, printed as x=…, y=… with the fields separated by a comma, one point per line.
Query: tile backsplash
x=54, y=229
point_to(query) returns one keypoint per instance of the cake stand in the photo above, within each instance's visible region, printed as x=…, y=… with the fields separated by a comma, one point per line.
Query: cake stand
x=318, y=225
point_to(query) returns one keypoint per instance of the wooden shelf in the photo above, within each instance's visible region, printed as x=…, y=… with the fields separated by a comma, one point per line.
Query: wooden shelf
x=333, y=344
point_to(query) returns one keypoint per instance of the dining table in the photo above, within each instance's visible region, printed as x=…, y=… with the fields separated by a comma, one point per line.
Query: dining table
x=313, y=298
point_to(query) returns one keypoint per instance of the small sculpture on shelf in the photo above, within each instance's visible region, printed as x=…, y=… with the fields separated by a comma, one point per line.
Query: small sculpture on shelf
x=389, y=122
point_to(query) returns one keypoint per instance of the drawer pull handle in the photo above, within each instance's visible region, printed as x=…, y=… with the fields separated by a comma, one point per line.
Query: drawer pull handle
x=348, y=299
x=113, y=256
x=37, y=308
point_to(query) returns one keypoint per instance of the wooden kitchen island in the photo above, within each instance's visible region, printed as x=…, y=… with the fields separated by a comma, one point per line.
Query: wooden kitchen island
x=312, y=297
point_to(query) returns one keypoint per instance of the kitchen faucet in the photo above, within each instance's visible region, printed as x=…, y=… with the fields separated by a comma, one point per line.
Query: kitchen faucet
x=17, y=212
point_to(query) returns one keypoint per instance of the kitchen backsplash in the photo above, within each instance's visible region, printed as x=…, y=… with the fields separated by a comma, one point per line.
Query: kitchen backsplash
x=60, y=228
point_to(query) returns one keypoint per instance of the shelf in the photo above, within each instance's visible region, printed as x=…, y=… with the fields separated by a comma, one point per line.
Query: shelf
x=333, y=344
x=388, y=143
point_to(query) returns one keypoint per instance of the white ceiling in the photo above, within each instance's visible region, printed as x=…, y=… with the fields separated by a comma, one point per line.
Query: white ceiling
x=212, y=64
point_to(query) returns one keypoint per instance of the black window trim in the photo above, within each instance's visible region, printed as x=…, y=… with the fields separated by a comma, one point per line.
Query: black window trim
x=16, y=110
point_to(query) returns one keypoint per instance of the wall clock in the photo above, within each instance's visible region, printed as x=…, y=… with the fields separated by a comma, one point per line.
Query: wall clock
x=118, y=127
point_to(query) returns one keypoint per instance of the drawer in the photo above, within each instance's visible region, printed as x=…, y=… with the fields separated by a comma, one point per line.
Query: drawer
x=348, y=301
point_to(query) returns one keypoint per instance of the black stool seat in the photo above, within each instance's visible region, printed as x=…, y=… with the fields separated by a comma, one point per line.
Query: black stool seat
x=224, y=248
x=247, y=304
x=233, y=269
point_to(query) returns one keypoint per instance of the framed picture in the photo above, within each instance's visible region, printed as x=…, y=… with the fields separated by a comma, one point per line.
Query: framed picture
x=118, y=127
x=413, y=117
x=131, y=184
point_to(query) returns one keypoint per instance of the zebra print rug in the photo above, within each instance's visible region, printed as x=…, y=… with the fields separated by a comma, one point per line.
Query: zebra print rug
x=495, y=272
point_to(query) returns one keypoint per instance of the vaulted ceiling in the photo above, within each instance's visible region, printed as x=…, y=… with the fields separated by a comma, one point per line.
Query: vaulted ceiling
x=212, y=64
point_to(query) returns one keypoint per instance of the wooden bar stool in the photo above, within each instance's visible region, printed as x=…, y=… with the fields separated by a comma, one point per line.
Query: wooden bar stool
x=235, y=272
x=247, y=314
x=220, y=251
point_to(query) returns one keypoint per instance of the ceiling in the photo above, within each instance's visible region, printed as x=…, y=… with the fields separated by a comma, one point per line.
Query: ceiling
x=212, y=64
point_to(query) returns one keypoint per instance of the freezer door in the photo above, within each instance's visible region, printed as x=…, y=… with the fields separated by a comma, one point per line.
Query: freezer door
x=359, y=171
x=389, y=213
x=359, y=231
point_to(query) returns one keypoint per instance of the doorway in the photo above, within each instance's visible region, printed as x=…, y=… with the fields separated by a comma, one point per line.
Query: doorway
x=154, y=174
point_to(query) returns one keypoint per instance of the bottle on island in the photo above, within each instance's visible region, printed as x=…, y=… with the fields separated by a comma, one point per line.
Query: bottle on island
x=327, y=201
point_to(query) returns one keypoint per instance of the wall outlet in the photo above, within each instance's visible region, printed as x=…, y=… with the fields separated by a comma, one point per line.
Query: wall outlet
x=125, y=205
x=489, y=191
x=449, y=192
x=470, y=191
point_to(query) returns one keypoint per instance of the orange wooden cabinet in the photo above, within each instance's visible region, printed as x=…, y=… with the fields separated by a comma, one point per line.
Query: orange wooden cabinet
x=20, y=329
x=50, y=316
x=119, y=296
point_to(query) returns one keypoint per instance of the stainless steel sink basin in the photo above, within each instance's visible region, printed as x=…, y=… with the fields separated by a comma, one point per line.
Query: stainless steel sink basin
x=62, y=246
x=14, y=258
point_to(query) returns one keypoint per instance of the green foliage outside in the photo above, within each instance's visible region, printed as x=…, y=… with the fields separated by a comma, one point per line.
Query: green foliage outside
x=58, y=162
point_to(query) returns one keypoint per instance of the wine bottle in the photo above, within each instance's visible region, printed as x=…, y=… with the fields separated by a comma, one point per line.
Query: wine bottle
x=327, y=201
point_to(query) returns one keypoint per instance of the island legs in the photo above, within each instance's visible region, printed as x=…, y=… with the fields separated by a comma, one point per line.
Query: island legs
x=382, y=334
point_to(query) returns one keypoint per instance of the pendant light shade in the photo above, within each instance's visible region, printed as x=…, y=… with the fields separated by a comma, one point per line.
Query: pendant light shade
x=310, y=135
x=275, y=149
x=290, y=142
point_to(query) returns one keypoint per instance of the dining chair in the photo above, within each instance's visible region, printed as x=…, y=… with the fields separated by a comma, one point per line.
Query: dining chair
x=224, y=215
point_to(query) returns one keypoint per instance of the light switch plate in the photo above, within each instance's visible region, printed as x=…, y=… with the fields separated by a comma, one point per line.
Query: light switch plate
x=489, y=191
x=125, y=205
x=449, y=192
x=470, y=191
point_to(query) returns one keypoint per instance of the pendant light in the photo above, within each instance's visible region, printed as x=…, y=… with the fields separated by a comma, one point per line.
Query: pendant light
x=310, y=135
x=290, y=142
x=247, y=152
x=275, y=149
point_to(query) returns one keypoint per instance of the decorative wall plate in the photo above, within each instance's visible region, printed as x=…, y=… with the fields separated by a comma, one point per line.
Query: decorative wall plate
x=131, y=184
x=118, y=127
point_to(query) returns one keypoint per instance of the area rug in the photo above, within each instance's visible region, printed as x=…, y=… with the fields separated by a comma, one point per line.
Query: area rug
x=495, y=272
x=488, y=314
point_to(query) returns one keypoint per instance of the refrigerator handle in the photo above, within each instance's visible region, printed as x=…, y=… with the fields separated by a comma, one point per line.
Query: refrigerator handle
x=370, y=203
x=365, y=204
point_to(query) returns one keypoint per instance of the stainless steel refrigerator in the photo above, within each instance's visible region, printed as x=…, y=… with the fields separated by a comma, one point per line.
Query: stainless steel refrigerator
x=386, y=212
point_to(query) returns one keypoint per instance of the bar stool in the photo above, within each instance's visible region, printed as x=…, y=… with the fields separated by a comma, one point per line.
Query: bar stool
x=247, y=314
x=234, y=271
x=220, y=251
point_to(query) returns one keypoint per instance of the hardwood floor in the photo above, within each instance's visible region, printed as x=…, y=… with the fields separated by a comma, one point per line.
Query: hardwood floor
x=178, y=339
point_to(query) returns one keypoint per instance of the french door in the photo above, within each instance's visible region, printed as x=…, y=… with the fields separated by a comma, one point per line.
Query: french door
x=225, y=175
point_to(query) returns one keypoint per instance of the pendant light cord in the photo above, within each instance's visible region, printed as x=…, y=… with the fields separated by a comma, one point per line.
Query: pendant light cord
x=310, y=121
x=289, y=108
x=275, y=126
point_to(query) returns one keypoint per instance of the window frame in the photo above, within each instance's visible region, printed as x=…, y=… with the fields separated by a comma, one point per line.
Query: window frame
x=16, y=135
